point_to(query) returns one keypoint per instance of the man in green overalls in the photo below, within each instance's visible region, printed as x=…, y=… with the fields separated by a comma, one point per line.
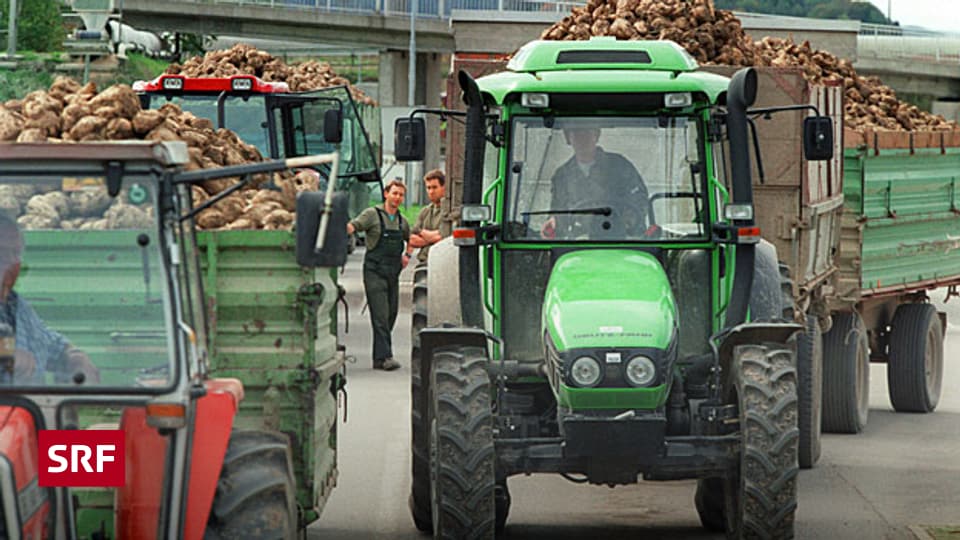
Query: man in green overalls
x=386, y=233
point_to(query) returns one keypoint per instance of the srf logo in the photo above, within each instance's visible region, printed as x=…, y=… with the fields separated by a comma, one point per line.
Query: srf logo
x=81, y=458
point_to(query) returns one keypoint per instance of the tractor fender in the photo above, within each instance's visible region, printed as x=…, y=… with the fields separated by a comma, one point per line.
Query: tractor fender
x=752, y=333
x=21, y=497
x=138, y=502
x=443, y=284
x=211, y=436
x=766, y=295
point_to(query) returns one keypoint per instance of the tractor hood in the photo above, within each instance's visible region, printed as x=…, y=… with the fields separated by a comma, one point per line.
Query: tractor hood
x=609, y=298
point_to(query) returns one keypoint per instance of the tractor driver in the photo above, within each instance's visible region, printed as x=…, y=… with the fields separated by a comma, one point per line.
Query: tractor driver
x=38, y=348
x=593, y=174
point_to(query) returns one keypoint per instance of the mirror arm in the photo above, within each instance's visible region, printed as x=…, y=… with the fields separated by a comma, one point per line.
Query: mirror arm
x=216, y=198
x=443, y=113
x=784, y=108
x=756, y=149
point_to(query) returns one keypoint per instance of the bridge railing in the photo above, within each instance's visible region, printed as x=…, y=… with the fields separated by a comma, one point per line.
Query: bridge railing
x=425, y=8
x=928, y=50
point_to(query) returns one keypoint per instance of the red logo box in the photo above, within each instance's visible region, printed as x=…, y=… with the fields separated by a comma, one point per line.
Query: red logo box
x=82, y=458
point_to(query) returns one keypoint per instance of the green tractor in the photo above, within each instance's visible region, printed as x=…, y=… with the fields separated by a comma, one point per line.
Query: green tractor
x=607, y=308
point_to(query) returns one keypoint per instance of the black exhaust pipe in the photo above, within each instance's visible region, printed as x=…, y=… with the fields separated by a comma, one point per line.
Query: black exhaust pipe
x=741, y=94
x=471, y=308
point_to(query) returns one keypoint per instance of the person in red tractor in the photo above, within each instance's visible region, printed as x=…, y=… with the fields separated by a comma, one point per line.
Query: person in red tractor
x=39, y=349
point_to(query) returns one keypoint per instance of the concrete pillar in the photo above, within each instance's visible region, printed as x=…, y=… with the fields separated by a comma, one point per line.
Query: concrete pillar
x=393, y=87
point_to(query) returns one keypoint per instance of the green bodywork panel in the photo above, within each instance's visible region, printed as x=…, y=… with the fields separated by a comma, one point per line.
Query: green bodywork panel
x=538, y=56
x=609, y=298
x=612, y=398
x=274, y=328
x=535, y=69
x=908, y=205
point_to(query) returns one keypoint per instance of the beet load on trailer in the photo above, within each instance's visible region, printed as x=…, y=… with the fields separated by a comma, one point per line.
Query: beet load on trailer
x=284, y=124
x=607, y=309
x=224, y=388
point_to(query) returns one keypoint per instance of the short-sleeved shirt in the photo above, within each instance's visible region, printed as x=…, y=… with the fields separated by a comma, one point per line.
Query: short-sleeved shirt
x=47, y=346
x=429, y=219
x=369, y=223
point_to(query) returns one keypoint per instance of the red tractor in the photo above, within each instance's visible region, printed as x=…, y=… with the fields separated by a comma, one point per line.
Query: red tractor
x=103, y=327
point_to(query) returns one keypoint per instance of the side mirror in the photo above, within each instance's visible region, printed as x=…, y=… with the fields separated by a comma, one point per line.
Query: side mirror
x=333, y=126
x=409, y=139
x=818, y=138
x=309, y=211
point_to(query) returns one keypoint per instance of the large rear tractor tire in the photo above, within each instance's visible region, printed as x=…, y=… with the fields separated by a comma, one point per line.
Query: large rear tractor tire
x=810, y=392
x=255, y=495
x=846, y=375
x=761, y=493
x=420, y=426
x=915, y=365
x=462, y=474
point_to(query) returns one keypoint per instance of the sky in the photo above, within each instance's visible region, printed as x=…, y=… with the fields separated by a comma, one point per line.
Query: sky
x=942, y=15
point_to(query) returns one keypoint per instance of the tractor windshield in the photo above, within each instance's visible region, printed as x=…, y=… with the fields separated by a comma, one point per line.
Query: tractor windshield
x=85, y=292
x=604, y=179
x=244, y=115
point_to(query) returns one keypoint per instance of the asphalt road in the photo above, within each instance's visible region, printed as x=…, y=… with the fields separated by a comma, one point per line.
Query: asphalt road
x=903, y=470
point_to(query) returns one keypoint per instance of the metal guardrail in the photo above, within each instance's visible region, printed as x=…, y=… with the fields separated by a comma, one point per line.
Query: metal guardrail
x=425, y=8
x=927, y=50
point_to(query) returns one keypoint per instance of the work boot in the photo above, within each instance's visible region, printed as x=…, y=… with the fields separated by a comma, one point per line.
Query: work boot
x=389, y=364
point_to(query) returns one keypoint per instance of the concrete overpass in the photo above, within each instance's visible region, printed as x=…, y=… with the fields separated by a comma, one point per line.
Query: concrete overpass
x=928, y=66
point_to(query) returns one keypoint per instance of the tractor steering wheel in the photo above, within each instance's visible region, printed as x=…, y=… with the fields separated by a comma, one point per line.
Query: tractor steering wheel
x=628, y=217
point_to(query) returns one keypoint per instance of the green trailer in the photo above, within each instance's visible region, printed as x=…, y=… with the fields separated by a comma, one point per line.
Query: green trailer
x=273, y=326
x=899, y=240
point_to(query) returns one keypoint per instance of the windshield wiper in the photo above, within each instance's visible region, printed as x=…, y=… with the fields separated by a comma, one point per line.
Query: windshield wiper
x=598, y=211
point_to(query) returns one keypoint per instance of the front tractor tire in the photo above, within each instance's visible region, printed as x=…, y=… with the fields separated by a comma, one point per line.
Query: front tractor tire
x=760, y=496
x=915, y=365
x=419, y=421
x=462, y=468
x=255, y=496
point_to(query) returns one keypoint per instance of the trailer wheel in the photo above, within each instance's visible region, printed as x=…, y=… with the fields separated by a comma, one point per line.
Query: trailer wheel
x=255, y=495
x=420, y=490
x=915, y=365
x=810, y=392
x=846, y=375
x=709, y=503
x=761, y=493
x=462, y=474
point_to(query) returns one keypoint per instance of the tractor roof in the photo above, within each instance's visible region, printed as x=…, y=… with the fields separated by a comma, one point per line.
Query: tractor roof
x=601, y=53
x=235, y=83
x=602, y=65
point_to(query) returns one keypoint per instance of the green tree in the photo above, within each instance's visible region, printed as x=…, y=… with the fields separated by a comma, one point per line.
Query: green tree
x=39, y=24
x=824, y=9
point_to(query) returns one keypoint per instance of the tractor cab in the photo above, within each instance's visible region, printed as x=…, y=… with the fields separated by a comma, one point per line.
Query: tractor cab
x=104, y=327
x=282, y=123
x=609, y=287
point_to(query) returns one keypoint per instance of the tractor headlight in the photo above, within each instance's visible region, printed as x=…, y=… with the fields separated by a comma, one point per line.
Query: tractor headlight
x=640, y=371
x=586, y=371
